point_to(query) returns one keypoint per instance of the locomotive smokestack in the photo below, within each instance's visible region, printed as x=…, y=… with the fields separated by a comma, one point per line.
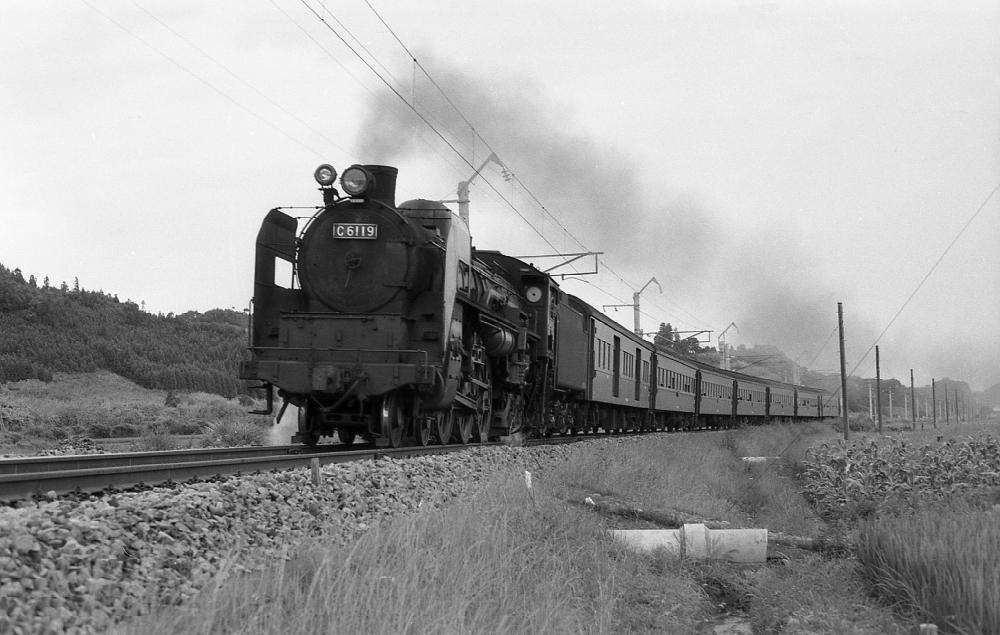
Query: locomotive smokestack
x=385, y=184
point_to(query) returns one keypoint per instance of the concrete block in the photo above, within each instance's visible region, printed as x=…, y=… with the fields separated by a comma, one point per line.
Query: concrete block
x=698, y=542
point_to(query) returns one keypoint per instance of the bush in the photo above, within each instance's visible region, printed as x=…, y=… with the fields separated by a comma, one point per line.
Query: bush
x=205, y=407
x=155, y=439
x=171, y=424
x=230, y=434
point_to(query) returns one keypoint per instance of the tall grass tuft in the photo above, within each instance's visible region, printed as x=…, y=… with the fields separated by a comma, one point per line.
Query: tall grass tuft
x=944, y=567
x=228, y=433
x=503, y=563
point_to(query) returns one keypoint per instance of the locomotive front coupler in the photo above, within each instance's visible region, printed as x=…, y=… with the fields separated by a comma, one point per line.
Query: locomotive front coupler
x=350, y=391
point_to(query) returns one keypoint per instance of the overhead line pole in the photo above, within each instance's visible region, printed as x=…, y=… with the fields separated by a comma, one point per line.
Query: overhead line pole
x=934, y=401
x=878, y=391
x=843, y=369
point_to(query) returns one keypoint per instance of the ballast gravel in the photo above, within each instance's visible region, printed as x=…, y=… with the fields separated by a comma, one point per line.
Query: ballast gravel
x=70, y=566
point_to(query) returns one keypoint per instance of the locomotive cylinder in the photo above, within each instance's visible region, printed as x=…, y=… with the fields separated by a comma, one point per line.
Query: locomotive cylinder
x=498, y=342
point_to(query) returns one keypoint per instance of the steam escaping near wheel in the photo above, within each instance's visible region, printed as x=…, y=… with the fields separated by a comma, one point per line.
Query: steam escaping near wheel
x=283, y=429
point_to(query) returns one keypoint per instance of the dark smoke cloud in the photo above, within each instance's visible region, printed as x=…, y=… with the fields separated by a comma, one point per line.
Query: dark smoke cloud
x=594, y=188
x=762, y=278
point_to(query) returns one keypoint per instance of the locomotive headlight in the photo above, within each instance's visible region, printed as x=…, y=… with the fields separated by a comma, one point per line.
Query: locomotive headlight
x=533, y=294
x=325, y=175
x=356, y=180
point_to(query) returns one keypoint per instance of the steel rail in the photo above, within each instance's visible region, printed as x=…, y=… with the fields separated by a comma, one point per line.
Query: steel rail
x=91, y=473
x=25, y=477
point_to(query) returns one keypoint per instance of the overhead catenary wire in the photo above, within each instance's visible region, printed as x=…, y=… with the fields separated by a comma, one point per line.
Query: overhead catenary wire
x=241, y=80
x=423, y=118
x=202, y=80
x=928, y=275
x=544, y=210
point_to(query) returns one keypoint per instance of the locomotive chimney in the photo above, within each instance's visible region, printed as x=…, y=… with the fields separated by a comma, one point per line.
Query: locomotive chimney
x=385, y=184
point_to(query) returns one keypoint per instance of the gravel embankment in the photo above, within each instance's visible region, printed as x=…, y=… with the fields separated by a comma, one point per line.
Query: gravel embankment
x=68, y=566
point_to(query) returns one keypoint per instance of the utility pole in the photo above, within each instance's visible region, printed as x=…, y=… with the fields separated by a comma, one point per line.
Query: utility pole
x=947, y=406
x=958, y=412
x=463, y=187
x=843, y=369
x=934, y=401
x=635, y=303
x=724, y=362
x=913, y=398
x=890, y=405
x=878, y=391
x=871, y=402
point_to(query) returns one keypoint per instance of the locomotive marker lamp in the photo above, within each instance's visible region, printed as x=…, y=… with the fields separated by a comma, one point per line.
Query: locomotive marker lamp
x=325, y=175
x=356, y=180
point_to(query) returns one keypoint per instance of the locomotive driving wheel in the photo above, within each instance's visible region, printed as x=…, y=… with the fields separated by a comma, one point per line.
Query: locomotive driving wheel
x=443, y=423
x=422, y=431
x=395, y=417
x=464, y=420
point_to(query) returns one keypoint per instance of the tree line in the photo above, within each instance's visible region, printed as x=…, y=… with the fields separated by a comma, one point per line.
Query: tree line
x=46, y=329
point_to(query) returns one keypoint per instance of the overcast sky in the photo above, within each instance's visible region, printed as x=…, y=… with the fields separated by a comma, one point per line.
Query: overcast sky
x=762, y=161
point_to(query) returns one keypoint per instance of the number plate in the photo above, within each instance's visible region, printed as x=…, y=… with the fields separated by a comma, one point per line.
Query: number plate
x=368, y=231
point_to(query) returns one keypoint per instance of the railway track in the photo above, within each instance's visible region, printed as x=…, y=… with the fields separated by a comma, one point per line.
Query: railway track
x=24, y=477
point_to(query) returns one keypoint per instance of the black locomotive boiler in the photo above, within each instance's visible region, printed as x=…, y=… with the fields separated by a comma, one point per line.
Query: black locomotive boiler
x=382, y=320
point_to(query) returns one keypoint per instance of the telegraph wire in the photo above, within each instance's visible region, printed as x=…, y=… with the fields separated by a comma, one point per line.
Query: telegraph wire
x=353, y=76
x=424, y=119
x=933, y=267
x=241, y=80
x=203, y=81
x=544, y=211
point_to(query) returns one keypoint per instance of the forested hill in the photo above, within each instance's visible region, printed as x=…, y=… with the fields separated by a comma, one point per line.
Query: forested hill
x=45, y=330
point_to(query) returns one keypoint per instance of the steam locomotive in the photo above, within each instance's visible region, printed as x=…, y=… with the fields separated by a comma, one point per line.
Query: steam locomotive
x=382, y=321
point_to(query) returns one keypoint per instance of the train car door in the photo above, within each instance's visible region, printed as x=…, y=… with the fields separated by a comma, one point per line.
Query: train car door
x=617, y=367
x=638, y=374
x=591, y=358
x=654, y=380
x=736, y=399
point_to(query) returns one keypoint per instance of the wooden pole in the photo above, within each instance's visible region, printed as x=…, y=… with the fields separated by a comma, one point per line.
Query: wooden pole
x=878, y=391
x=913, y=400
x=934, y=401
x=843, y=369
x=871, y=402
